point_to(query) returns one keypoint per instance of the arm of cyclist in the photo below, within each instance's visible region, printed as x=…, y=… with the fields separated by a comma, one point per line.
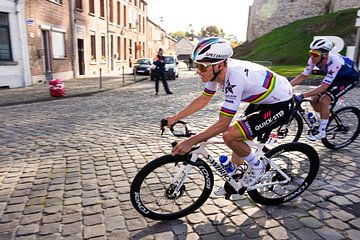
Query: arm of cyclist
x=320, y=89
x=218, y=127
x=196, y=105
x=298, y=80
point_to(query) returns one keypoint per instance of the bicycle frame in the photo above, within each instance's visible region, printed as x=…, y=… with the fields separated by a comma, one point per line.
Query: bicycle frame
x=179, y=179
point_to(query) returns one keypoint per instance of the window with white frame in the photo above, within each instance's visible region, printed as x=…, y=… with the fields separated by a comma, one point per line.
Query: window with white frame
x=58, y=44
x=5, y=46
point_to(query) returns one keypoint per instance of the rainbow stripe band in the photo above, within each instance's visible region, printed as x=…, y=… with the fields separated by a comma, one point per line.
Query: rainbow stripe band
x=269, y=84
x=208, y=92
x=227, y=112
x=244, y=131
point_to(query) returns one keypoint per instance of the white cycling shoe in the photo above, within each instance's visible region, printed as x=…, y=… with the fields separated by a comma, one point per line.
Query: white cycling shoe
x=252, y=177
x=220, y=191
x=316, y=136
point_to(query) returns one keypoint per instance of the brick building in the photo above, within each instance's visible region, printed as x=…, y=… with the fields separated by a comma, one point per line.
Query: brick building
x=76, y=38
x=14, y=60
x=50, y=39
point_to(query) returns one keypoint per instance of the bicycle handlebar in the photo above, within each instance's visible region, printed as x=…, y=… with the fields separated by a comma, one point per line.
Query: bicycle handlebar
x=176, y=133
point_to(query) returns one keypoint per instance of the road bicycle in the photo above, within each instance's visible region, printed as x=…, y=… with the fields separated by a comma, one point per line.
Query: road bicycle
x=342, y=129
x=172, y=187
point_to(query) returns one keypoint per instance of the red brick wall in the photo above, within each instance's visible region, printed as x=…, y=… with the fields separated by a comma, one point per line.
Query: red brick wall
x=48, y=13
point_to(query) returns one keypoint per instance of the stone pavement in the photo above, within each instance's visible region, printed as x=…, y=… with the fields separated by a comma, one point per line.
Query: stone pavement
x=66, y=170
x=73, y=88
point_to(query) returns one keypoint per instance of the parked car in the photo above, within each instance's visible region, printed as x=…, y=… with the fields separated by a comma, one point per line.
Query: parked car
x=171, y=67
x=143, y=66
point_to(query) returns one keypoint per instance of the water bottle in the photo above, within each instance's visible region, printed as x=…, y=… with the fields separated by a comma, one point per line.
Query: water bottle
x=227, y=164
x=312, y=118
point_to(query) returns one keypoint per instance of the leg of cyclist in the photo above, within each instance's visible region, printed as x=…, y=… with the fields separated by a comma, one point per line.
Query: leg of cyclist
x=247, y=128
x=337, y=89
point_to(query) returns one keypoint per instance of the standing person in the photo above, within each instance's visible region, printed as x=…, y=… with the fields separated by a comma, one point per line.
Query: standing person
x=341, y=76
x=270, y=95
x=159, y=62
x=190, y=63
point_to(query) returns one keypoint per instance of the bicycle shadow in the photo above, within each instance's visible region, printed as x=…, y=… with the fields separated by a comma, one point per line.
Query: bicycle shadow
x=162, y=230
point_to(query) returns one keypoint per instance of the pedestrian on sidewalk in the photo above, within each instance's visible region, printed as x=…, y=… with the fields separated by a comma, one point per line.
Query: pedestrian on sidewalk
x=159, y=62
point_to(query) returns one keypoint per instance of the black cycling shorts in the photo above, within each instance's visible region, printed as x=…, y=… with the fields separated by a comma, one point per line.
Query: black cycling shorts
x=340, y=86
x=262, y=118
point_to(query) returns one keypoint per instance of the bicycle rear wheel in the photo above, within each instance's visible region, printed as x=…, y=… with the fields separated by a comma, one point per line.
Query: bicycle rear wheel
x=152, y=190
x=291, y=131
x=343, y=128
x=299, y=161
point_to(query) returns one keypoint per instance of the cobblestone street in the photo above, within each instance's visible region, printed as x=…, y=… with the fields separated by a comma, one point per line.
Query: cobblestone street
x=67, y=166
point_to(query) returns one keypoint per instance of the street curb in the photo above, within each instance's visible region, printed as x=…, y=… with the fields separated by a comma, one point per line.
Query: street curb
x=84, y=94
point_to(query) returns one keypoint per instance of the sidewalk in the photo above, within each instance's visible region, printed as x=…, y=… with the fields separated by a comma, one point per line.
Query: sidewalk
x=73, y=88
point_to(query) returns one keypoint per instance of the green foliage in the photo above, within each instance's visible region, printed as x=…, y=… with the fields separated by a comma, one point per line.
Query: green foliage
x=177, y=35
x=211, y=31
x=290, y=44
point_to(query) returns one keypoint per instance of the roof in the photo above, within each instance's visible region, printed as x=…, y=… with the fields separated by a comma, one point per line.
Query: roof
x=185, y=46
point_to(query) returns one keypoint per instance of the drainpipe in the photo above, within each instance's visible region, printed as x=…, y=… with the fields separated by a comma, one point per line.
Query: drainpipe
x=25, y=66
x=73, y=38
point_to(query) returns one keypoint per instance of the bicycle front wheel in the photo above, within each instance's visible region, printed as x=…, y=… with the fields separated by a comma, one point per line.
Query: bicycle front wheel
x=343, y=128
x=297, y=160
x=171, y=187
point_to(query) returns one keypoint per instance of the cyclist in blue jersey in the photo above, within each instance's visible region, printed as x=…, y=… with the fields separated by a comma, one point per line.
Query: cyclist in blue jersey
x=341, y=76
x=269, y=94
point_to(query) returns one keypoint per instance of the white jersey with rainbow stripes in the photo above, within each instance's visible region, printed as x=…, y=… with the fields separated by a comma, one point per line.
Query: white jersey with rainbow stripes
x=250, y=82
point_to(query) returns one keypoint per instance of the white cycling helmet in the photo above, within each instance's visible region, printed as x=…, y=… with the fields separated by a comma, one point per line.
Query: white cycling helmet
x=321, y=44
x=212, y=49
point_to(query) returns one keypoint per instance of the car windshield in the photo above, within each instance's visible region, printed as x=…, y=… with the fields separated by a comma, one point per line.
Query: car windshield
x=169, y=60
x=143, y=61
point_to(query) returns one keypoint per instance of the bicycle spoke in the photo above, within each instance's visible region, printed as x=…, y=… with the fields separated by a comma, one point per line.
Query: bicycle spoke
x=157, y=189
x=342, y=129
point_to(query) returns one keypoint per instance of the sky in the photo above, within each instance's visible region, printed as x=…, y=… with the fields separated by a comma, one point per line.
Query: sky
x=177, y=15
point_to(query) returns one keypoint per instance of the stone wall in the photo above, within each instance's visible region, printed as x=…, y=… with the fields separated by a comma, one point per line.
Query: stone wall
x=266, y=15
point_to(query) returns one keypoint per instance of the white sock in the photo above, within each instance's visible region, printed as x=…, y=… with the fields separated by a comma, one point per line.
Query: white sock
x=323, y=124
x=253, y=161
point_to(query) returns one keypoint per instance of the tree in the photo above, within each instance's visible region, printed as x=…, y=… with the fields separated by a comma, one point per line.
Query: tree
x=177, y=35
x=233, y=40
x=211, y=31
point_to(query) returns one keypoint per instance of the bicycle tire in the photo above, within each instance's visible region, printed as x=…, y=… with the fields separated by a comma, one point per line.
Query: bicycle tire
x=336, y=132
x=149, y=184
x=293, y=132
x=271, y=196
x=286, y=134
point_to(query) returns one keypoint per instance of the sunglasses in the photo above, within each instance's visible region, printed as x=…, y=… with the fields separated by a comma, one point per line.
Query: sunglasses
x=203, y=66
x=315, y=53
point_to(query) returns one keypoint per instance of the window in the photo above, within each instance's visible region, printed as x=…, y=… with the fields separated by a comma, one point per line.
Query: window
x=143, y=24
x=118, y=48
x=78, y=4
x=139, y=23
x=91, y=7
x=93, y=46
x=130, y=47
x=118, y=13
x=125, y=49
x=111, y=11
x=102, y=9
x=58, y=44
x=125, y=13
x=103, y=48
x=58, y=1
x=5, y=47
